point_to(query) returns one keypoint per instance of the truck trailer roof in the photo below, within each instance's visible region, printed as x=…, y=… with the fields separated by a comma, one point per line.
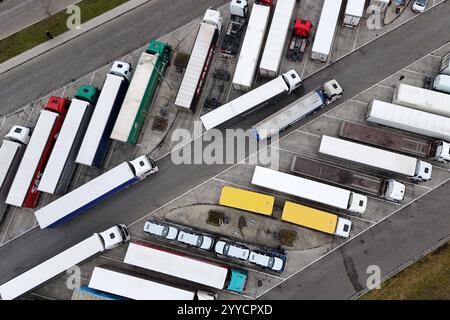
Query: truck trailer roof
x=327, y=26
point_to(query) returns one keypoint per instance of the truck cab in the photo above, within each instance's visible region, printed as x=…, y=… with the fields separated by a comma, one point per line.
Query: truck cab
x=239, y=8
x=333, y=90
x=442, y=152
x=267, y=3
x=213, y=17
x=441, y=83
x=160, y=48
x=88, y=94
x=293, y=80
x=58, y=105
x=394, y=190
x=19, y=134
x=237, y=281
x=122, y=69
x=423, y=171
x=357, y=203
x=343, y=227
x=144, y=166
x=115, y=236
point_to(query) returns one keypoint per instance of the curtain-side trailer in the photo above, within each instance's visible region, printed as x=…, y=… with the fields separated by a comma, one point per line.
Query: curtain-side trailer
x=11, y=153
x=24, y=189
x=49, y=269
x=61, y=164
x=150, y=68
x=309, y=190
x=323, y=41
x=201, y=57
x=408, y=119
x=96, y=139
x=272, y=56
x=251, y=47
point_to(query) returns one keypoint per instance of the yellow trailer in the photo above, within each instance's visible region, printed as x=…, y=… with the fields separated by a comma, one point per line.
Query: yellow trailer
x=316, y=219
x=247, y=200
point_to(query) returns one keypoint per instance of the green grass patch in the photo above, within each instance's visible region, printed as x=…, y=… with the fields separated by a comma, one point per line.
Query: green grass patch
x=56, y=24
x=427, y=279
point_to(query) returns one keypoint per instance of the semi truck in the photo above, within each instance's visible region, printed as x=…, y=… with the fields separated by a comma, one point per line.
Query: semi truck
x=316, y=219
x=422, y=99
x=271, y=91
x=201, y=57
x=96, y=139
x=309, y=189
x=385, y=188
x=415, y=146
x=251, y=47
x=440, y=83
x=378, y=159
x=299, y=40
x=299, y=109
x=326, y=29
x=137, y=288
x=408, y=119
x=272, y=56
x=61, y=164
x=353, y=13
x=445, y=64
x=238, y=20
x=11, y=153
x=49, y=269
x=144, y=255
x=95, y=191
x=24, y=189
x=149, y=70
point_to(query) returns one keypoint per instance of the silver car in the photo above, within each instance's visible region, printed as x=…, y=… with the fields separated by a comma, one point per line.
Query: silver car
x=197, y=240
x=161, y=229
x=232, y=250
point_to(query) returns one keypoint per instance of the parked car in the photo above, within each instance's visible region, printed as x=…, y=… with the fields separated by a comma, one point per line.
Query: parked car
x=272, y=262
x=161, y=229
x=197, y=240
x=419, y=5
x=232, y=250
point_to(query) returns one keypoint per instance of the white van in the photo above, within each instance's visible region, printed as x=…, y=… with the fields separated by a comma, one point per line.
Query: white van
x=264, y=260
x=419, y=5
x=441, y=83
x=160, y=229
x=197, y=240
x=232, y=250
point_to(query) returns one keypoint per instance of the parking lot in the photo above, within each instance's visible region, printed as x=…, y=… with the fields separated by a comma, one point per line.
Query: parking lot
x=193, y=207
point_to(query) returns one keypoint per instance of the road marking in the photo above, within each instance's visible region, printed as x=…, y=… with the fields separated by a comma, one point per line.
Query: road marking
x=31, y=113
x=419, y=73
x=112, y=147
x=357, y=34
x=9, y=225
x=352, y=238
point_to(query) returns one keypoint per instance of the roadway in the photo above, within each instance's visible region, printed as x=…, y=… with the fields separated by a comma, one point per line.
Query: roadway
x=356, y=72
x=94, y=49
x=16, y=15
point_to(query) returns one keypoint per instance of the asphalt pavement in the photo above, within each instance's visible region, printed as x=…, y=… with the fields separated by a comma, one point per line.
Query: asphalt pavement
x=356, y=72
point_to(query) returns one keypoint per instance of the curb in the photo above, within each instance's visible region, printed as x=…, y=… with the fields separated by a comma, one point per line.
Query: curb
x=70, y=35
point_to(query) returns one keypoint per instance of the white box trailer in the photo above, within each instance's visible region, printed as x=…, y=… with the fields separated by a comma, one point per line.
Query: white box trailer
x=323, y=41
x=422, y=99
x=309, y=190
x=96, y=140
x=282, y=85
x=445, y=64
x=95, y=191
x=376, y=158
x=195, y=74
x=61, y=164
x=251, y=48
x=276, y=39
x=47, y=270
x=131, y=287
x=412, y=120
x=353, y=13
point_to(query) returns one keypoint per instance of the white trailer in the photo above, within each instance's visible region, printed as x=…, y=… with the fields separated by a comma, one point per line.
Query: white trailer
x=11, y=153
x=323, y=41
x=422, y=99
x=251, y=48
x=376, y=158
x=306, y=105
x=197, y=68
x=282, y=85
x=445, y=64
x=49, y=269
x=61, y=164
x=353, y=13
x=309, y=189
x=408, y=119
x=276, y=39
x=96, y=140
x=135, y=288
x=95, y=191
